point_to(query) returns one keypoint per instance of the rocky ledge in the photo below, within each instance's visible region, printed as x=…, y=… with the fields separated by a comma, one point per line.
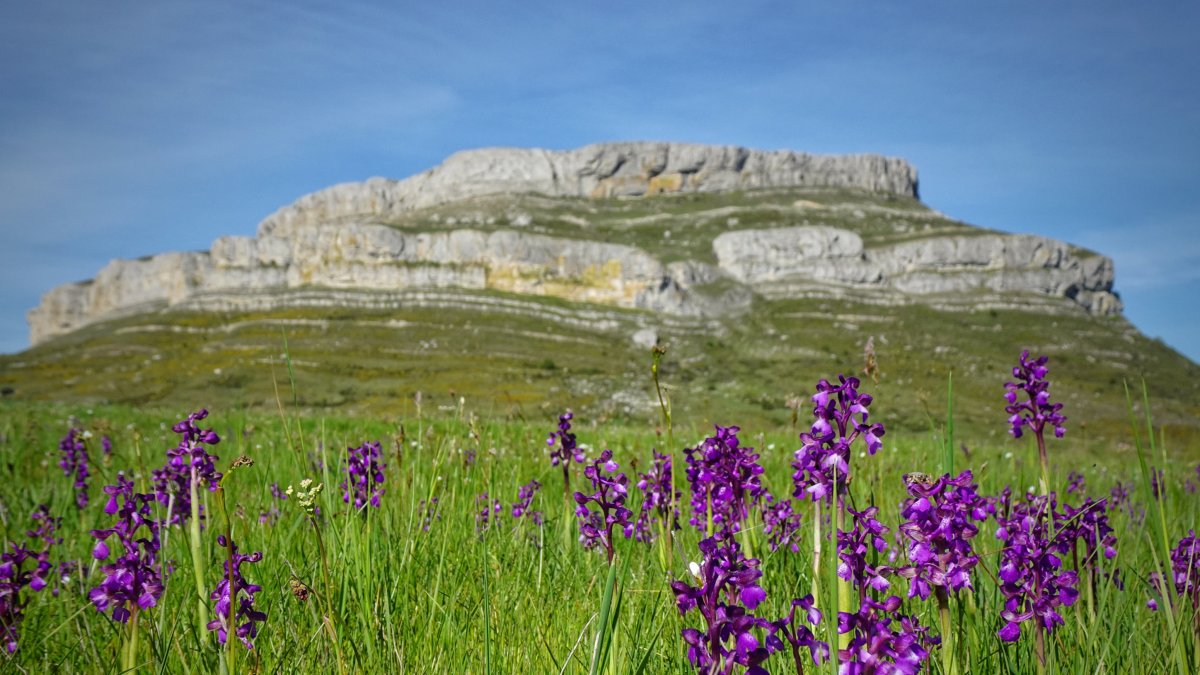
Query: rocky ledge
x=338, y=239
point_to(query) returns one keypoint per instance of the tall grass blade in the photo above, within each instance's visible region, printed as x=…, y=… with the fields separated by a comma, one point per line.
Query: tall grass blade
x=1169, y=607
x=603, y=634
x=948, y=458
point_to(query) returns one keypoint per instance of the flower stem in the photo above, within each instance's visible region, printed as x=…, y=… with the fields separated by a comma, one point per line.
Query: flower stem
x=230, y=627
x=664, y=404
x=844, y=591
x=1041, y=443
x=129, y=657
x=949, y=664
x=199, y=564
x=816, y=565
x=1039, y=645
x=329, y=610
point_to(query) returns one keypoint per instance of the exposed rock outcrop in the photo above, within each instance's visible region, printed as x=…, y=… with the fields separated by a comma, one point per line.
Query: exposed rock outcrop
x=601, y=170
x=937, y=265
x=335, y=240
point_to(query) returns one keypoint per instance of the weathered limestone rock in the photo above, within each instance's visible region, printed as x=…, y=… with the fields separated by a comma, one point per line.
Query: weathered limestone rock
x=755, y=256
x=931, y=266
x=335, y=242
x=602, y=170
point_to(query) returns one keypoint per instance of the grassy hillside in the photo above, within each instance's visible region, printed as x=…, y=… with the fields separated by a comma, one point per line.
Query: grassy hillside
x=553, y=355
x=521, y=356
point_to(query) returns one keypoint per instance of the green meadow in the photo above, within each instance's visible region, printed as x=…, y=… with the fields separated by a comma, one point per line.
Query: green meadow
x=409, y=588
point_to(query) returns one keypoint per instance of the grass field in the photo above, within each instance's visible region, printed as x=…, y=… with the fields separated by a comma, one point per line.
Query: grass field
x=385, y=594
x=422, y=582
x=545, y=354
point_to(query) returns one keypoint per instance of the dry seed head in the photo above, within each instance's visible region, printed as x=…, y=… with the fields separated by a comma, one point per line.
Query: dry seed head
x=298, y=589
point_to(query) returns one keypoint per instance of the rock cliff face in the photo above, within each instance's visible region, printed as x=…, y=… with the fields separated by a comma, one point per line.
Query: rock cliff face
x=603, y=170
x=933, y=266
x=338, y=239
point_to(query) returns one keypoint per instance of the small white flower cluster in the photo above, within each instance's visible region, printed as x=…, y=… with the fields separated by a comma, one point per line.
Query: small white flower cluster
x=305, y=496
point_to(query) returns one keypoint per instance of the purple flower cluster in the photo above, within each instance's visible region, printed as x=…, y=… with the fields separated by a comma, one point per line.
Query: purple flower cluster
x=134, y=579
x=939, y=522
x=1119, y=496
x=106, y=447
x=191, y=453
x=726, y=594
x=1157, y=482
x=567, y=448
x=880, y=639
x=245, y=617
x=1088, y=524
x=525, y=495
x=489, y=508
x=883, y=641
x=798, y=635
x=429, y=512
x=14, y=577
x=1038, y=411
x=854, y=545
x=364, y=470
x=781, y=524
x=659, y=503
x=725, y=480
x=608, y=494
x=1031, y=573
x=189, y=465
x=1076, y=483
x=1185, y=572
x=45, y=530
x=841, y=415
x=75, y=463
x=271, y=515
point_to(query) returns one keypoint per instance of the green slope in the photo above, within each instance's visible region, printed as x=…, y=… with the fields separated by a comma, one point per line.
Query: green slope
x=523, y=356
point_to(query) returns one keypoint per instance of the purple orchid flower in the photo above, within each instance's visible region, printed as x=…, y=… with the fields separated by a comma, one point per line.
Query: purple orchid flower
x=841, y=416
x=189, y=467
x=364, y=476
x=245, y=618
x=609, y=492
x=525, y=495
x=725, y=480
x=14, y=578
x=75, y=463
x=134, y=578
x=939, y=524
x=659, y=503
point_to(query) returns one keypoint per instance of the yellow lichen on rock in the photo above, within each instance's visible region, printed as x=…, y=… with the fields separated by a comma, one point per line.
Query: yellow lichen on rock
x=514, y=278
x=599, y=283
x=606, y=275
x=665, y=183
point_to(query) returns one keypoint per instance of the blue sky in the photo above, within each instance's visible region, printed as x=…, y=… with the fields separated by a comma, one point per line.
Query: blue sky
x=131, y=128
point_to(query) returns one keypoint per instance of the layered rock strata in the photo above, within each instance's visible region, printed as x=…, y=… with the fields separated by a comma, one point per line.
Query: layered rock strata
x=602, y=170
x=334, y=240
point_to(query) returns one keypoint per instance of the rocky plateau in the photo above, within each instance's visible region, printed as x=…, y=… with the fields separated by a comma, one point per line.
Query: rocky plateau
x=346, y=238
